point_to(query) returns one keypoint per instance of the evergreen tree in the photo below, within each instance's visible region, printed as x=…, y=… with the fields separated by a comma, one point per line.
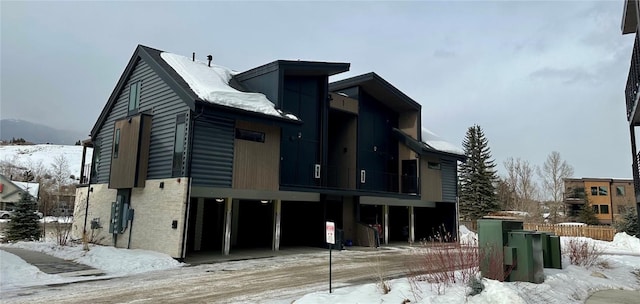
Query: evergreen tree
x=24, y=224
x=629, y=222
x=587, y=215
x=477, y=177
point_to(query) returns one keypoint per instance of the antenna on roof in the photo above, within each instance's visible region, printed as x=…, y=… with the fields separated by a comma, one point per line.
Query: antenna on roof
x=194, y=57
x=209, y=57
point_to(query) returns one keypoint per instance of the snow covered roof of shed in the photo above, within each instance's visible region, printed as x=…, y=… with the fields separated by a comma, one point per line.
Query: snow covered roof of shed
x=435, y=142
x=211, y=84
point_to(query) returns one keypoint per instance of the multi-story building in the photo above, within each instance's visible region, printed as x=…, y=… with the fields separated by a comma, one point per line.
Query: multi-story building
x=630, y=22
x=608, y=197
x=213, y=160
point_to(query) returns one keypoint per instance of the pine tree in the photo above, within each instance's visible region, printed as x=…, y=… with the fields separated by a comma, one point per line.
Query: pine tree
x=24, y=224
x=629, y=222
x=477, y=177
x=587, y=215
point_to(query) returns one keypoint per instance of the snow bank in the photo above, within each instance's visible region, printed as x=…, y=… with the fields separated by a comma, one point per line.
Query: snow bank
x=212, y=84
x=467, y=236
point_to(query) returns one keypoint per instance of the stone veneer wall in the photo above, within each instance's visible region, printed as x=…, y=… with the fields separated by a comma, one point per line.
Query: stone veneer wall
x=155, y=210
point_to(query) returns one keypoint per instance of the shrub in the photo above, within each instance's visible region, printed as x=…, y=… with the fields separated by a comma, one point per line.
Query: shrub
x=582, y=253
x=629, y=222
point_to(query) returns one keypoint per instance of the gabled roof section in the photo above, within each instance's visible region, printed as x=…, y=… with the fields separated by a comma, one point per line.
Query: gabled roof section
x=192, y=81
x=152, y=57
x=291, y=67
x=382, y=90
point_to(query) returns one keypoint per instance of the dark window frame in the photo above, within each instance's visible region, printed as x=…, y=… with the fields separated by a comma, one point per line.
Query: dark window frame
x=116, y=143
x=596, y=209
x=604, y=209
x=594, y=190
x=603, y=190
x=134, y=97
x=434, y=165
x=250, y=135
x=179, y=142
x=620, y=191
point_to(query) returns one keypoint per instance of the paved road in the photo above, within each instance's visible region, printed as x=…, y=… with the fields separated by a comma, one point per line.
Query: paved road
x=278, y=279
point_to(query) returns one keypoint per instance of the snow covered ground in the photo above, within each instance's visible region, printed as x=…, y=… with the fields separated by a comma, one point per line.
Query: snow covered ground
x=572, y=284
x=30, y=156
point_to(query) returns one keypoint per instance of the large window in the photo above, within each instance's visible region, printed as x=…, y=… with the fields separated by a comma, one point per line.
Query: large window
x=178, y=145
x=601, y=190
x=134, y=97
x=620, y=190
x=116, y=143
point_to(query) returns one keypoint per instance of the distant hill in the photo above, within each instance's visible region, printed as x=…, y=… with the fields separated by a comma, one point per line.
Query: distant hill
x=37, y=133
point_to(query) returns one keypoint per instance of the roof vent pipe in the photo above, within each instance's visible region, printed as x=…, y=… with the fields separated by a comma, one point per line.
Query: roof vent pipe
x=194, y=57
x=209, y=57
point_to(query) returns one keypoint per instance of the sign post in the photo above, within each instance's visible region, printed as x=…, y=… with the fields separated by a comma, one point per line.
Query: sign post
x=331, y=239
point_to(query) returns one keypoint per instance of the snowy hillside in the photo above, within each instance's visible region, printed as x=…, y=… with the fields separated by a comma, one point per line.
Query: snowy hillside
x=30, y=156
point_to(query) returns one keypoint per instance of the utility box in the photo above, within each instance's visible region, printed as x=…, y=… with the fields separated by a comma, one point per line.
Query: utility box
x=529, y=258
x=552, y=256
x=495, y=255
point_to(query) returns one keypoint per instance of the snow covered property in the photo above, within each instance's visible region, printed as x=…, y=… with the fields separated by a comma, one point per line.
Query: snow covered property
x=189, y=156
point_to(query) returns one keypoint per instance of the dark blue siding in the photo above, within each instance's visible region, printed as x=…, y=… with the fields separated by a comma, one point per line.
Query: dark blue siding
x=212, y=160
x=157, y=98
x=449, y=181
x=266, y=84
x=300, y=147
x=377, y=147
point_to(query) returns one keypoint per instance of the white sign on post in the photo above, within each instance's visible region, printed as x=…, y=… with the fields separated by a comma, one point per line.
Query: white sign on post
x=331, y=233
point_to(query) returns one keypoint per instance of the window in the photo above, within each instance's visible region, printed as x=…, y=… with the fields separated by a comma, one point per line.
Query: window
x=95, y=161
x=603, y=190
x=178, y=145
x=433, y=165
x=250, y=135
x=116, y=143
x=595, y=209
x=604, y=209
x=620, y=190
x=134, y=97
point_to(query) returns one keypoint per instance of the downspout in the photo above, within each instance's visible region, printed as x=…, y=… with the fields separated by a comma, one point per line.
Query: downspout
x=192, y=123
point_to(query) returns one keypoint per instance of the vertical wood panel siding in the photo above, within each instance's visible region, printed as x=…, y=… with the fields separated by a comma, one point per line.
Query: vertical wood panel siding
x=449, y=181
x=157, y=98
x=431, y=180
x=212, y=159
x=256, y=164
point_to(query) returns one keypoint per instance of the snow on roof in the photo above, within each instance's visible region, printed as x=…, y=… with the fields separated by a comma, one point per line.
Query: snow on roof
x=212, y=84
x=31, y=188
x=436, y=142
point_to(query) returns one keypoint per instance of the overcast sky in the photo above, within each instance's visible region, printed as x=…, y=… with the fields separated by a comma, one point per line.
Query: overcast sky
x=536, y=76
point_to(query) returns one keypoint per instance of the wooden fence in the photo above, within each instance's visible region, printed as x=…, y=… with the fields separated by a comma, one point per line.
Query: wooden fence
x=603, y=233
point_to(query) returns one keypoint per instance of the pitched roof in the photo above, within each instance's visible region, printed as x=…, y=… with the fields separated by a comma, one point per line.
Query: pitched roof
x=180, y=81
x=380, y=88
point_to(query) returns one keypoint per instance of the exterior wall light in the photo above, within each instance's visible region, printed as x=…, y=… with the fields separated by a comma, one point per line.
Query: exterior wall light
x=219, y=200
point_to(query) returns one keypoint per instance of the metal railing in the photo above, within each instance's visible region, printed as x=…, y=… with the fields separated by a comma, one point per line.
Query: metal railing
x=636, y=174
x=84, y=179
x=633, y=80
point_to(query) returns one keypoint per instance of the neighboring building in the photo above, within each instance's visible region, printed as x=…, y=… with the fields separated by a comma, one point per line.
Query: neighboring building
x=212, y=160
x=608, y=197
x=11, y=192
x=630, y=23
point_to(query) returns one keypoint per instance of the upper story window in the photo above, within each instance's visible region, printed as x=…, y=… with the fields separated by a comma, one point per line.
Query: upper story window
x=601, y=190
x=116, y=143
x=620, y=190
x=178, y=145
x=250, y=135
x=134, y=97
x=95, y=162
